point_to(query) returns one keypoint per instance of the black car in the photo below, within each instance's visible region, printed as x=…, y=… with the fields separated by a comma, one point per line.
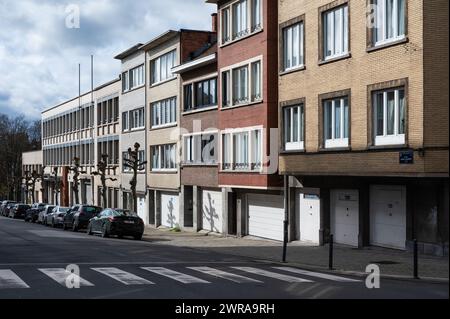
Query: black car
x=32, y=214
x=7, y=208
x=79, y=215
x=116, y=222
x=18, y=211
x=4, y=210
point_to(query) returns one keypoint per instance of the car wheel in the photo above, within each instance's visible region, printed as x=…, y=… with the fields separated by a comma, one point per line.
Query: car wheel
x=137, y=237
x=53, y=223
x=105, y=233
x=64, y=227
x=89, y=230
x=74, y=227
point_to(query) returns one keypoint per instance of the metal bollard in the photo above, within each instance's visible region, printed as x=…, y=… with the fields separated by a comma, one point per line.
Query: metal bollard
x=330, y=256
x=416, y=260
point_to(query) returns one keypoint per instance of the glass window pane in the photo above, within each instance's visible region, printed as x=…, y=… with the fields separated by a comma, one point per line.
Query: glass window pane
x=402, y=112
x=346, y=119
x=287, y=125
x=401, y=17
x=390, y=113
x=328, y=120
x=337, y=118
x=379, y=114
x=295, y=125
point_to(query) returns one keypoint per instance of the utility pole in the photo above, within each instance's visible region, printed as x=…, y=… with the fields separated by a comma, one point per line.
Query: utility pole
x=76, y=169
x=135, y=165
x=102, y=166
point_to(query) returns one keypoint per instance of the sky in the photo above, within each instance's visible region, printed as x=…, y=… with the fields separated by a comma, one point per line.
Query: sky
x=41, y=44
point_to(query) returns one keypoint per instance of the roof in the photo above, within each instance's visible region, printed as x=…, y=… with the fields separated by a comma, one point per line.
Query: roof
x=166, y=36
x=205, y=57
x=128, y=52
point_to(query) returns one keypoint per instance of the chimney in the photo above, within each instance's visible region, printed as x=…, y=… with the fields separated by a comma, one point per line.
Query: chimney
x=214, y=22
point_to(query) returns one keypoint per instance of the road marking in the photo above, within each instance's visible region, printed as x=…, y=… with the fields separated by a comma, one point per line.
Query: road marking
x=60, y=275
x=271, y=274
x=316, y=274
x=9, y=280
x=123, y=276
x=224, y=275
x=175, y=275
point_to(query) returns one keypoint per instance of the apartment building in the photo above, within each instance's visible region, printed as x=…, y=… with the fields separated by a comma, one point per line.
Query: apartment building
x=163, y=99
x=248, y=118
x=133, y=125
x=201, y=198
x=32, y=163
x=363, y=109
x=83, y=127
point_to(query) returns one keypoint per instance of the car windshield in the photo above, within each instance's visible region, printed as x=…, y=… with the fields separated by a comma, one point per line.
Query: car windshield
x=63, y=209
x=92, y=209
x=123, y=213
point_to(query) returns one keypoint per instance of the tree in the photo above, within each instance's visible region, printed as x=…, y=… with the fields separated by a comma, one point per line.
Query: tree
x=102, y=166
x=57, y=184
x=27, y=178
x=135, y=165
x=76, y=169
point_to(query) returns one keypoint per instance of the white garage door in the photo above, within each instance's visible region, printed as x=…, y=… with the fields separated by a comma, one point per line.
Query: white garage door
x=266, y=215
x=212, y=211
x=170, y=216
x=388, y=216
x=141, y=211
x=345, y=216
x=309, y=218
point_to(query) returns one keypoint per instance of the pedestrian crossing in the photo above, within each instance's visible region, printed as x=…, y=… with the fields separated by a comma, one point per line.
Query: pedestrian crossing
x=10, y=279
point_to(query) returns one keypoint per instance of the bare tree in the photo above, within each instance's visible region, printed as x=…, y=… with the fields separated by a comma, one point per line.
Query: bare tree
x=57, y=184
x=27, y=178
x=102, y=165
x=135, y=165
x=76, y=169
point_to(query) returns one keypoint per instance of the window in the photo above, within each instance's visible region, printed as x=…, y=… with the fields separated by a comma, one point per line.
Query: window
x=164, y=157
x=294, y=121
x=239, y=19
x=188, y=97
x=126, y=156
x=293, y=51
x=200, y=148
x=137, y=119
x=389, y=117
x=162, y=67
x=336, y=122
x=242, y=150
x=389, y=21
x=164, y=113
x=243, y=84
x=335, y=32
x=137, y=77
x=205, y=94
x=226, y=88
x=256, y=81
x=125, y=122
x=240, y=85
x=125, y=82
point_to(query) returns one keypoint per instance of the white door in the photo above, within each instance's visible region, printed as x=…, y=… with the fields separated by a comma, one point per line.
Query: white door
x=212, y=211
x=265, y=216
x=344, y=216
x=170, y=216
x=141, y=211
x=309, y=218
x=388, y=216
x=89, y=194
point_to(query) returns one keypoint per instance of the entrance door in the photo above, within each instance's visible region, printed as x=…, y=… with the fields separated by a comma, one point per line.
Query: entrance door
x=309, y=218
x=388, y=216
x=345, y=216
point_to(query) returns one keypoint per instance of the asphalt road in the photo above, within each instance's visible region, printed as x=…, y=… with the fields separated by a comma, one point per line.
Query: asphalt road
x=33, y=261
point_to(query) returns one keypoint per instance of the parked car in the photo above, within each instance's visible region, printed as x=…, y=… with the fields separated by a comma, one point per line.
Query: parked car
x=56, y=217
x=32, y=214
x=42, y=217
x=7, y=208
x=18, y=211
x=3, y=207
x=79, y=216
x=116, y=222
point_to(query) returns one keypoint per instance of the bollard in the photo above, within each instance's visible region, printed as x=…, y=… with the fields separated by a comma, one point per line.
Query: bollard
x=416, y=260
x=330, y=256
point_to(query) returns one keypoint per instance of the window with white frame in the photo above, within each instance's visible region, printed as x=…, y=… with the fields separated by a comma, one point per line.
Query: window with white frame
x=242, y=150
x=336, y=122
x=164, y=157
x=161, y=67
x=389, y=109
x=136, y=76
x=293, y=46
x=137, y=119
x=126, y=156
x=164, y=112
x=240, y=85
x=243, y=84
x=200, y=148
x=125, y=121
x=125, y=82
x=239, y=19
x=200, y=94
x=294, y=121
x=389, y=21
x=335, y=32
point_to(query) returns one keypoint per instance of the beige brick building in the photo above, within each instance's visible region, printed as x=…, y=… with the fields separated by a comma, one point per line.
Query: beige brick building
x=363, y=94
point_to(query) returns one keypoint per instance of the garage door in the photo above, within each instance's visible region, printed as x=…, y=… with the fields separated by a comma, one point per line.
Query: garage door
x=345, y=216
x=388, y=216
x=309, y=218
x=88, y=195
x=266, y=215
x=141, y=211
x=212, y=211
x=170, y=216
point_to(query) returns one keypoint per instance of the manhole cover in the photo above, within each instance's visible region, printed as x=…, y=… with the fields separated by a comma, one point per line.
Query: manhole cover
x=385, y=262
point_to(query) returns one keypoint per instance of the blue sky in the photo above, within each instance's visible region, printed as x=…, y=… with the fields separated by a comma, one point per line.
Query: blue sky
x=39, y=55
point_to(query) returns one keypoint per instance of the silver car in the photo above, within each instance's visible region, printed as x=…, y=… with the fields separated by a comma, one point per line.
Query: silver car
x=56, y=217
x=42, y=218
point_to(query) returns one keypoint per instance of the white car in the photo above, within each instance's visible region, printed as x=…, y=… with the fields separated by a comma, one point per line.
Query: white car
x=42, y=218
x=56, y=217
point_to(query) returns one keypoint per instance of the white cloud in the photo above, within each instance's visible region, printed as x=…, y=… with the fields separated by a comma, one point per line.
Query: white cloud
x=39, y=56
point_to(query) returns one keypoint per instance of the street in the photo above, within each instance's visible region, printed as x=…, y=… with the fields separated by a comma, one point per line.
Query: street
x=33, y=261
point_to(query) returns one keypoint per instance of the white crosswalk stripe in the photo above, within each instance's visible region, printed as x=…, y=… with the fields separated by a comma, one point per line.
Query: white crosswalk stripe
x=61, y=274
x=271, y=274
x=122, y=276
x=316, y=274
x=9, y=280
x=225, y=275
x=175, y=275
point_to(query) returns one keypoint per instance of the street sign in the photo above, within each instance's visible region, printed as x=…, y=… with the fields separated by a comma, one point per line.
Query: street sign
x=407, y=157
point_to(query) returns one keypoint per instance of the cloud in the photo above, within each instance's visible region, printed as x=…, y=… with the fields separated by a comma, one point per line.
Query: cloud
x=39, y=56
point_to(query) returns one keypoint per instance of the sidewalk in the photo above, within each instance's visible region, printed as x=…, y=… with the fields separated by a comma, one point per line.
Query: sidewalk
x=350, y=260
